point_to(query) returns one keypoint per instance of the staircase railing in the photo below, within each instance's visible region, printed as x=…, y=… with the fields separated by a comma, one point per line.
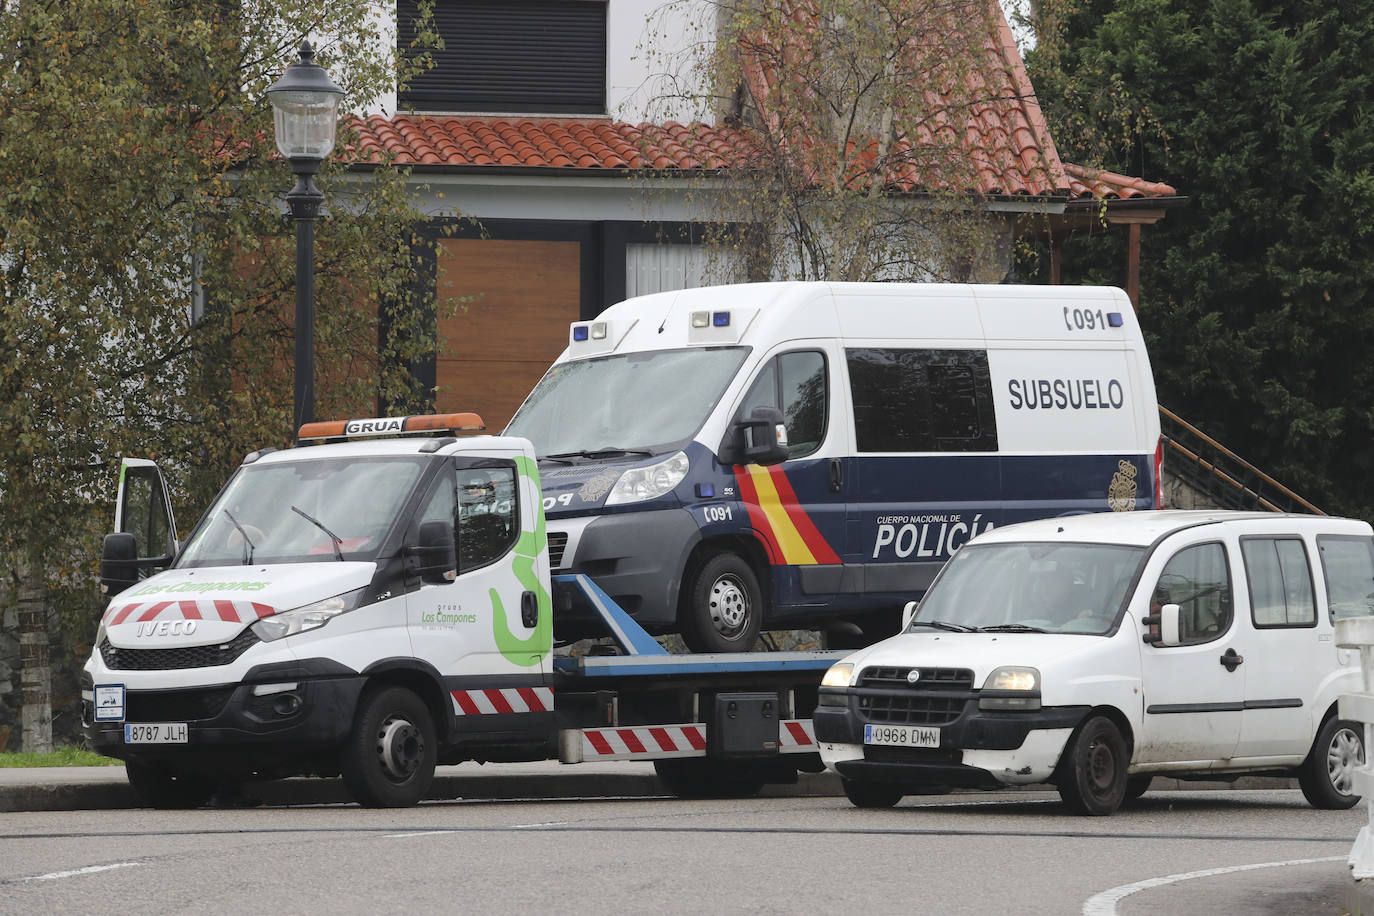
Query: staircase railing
x=1221, y=475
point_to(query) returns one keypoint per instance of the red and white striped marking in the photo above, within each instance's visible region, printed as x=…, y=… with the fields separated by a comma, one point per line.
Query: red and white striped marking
x=228, y=611
x=506, y=699
x=644, y=742
x=796, y=735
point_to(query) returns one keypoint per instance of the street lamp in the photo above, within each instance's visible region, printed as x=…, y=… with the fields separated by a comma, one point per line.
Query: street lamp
x=305, y=108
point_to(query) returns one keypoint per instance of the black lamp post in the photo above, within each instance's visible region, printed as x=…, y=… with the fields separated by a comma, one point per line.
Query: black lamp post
x=305, y=107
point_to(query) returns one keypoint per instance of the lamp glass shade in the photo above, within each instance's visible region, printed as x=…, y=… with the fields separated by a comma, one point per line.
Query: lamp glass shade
x=306, y=122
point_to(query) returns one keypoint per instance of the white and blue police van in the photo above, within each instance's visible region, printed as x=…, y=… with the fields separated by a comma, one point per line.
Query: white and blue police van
x=785, y=455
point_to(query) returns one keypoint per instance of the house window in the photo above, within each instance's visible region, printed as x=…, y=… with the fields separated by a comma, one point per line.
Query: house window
x=516, y=56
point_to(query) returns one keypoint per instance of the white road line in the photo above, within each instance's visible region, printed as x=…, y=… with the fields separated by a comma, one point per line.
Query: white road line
x=1104, y=904
x=88, y=870
x=403, y=836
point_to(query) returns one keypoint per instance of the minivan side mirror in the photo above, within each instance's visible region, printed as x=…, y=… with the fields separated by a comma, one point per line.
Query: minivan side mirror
x=118, y=563
x=763, y=436
x=435, y=553
x=908, y=612
x=1163, y=628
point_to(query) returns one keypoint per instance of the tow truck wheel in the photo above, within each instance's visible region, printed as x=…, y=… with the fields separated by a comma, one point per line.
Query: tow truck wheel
x=701, y=777
x=163, y=787
x=388, y=761
x=864, y=794
x=1092, y=778
x=722, y=605
x=1326, y=774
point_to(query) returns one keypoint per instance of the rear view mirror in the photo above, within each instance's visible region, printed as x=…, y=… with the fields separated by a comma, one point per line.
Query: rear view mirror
x=435, y=553
x=118, y=563
x=908, y=612
x=764, y=436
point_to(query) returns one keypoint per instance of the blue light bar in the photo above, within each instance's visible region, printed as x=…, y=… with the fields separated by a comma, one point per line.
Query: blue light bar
x=579, y=332
x=720, y=319
x=1114, y=319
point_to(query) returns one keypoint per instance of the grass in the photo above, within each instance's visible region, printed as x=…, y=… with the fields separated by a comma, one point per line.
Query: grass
x=60, y=757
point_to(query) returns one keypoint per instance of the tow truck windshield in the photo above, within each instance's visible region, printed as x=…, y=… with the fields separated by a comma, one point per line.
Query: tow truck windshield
x=326, y=509
x=1031, y=588
x=626, y=404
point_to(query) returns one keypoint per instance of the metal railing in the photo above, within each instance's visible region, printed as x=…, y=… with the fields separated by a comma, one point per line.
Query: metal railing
x=1219, y=474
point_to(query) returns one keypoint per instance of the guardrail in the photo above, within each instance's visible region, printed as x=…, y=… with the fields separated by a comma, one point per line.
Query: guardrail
x=1221, y=475
x=1358, y=633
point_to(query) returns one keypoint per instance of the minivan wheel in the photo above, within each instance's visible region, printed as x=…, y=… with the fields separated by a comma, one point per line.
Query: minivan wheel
x=1327, y=775
x=722, y=605
x=864, y=793
x=1092, y=777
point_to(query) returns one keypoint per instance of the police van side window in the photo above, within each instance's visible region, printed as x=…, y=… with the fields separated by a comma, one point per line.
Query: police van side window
x=922, y=400
x=1198, y=580
x=794, y=383
x=1280, y=582
x=1348, y=567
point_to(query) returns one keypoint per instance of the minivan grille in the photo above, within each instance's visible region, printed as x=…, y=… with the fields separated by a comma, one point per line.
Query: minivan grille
x=937, y=697
x=558, y=542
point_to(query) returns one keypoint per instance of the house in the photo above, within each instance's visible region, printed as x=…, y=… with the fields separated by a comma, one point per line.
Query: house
x=536, y=123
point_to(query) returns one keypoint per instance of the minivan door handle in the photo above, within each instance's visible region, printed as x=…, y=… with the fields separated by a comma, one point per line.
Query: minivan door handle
x=836, y=475
x=529, y=610
x=1231, y=659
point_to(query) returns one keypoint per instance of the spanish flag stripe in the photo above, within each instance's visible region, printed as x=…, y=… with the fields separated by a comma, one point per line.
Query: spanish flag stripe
x=757, y=519
x=815, y=541
x=794, y=548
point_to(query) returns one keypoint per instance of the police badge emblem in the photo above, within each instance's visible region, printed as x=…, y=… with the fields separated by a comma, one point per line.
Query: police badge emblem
x=1121, y=494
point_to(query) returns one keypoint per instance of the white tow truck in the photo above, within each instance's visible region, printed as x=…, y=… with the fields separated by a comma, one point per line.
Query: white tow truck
x=377, y=601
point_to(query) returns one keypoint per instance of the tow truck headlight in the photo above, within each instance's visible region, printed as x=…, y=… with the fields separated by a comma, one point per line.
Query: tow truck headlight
x=309, y=617
x=639, y=484
x=841, y=675
x=1011, y=687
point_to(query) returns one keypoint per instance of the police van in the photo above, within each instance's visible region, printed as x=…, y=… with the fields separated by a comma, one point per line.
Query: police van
x=778, y=455
x=1099, y=651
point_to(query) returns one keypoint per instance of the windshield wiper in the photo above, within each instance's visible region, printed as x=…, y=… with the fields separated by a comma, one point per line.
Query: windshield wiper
x=333, y=538
x=944, y=625
x=612, y=452
x=248, y=545
x=1011, y=628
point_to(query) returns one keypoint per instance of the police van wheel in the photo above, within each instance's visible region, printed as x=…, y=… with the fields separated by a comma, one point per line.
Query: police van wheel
x=163, y=787
x=1092, y=777
x=865, y=794
x=722, y=605
x=388, y=761
x=1326, y=777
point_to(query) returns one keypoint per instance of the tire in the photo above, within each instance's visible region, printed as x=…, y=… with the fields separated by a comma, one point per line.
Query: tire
x=388, y=761
x=1092, y=778
x=701, y=777
x=163, y=787
x=865, y=794
x=721, y=608
x=1325, y=776
x=1137, y=786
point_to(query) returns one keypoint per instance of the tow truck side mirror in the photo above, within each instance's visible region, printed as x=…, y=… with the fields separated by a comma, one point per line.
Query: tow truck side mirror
x=435, y=553
x=118, y=563
x=764, y=436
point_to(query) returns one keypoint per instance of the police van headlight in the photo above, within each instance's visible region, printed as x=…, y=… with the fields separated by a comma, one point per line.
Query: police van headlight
x=639, y=484
x=1011, y=687
x=310, y=617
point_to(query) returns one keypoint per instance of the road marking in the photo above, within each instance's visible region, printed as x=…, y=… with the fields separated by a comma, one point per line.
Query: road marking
x=88, y=870
x=403, y=836
x=1104, y=904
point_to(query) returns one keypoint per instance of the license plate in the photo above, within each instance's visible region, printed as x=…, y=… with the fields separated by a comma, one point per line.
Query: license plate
x=155, y=733
x=902, y=735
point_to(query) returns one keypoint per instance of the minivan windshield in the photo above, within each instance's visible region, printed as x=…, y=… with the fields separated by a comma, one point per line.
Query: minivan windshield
x=318, y=510
x=1031, y=587
x=653, y=401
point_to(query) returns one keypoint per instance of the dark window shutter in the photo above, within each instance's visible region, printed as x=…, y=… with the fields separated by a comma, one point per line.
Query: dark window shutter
x=538, y=56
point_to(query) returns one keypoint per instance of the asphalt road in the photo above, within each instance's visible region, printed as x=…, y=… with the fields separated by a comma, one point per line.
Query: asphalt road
x=1177, y=852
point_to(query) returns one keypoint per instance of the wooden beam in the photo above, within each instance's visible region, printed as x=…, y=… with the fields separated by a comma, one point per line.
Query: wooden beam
x=1056, y=259
x=1133, y=264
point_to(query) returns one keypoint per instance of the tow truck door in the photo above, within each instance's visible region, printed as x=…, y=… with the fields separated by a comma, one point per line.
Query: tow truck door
x=143, y=508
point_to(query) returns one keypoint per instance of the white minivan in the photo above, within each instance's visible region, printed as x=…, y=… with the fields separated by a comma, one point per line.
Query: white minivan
x=913, y=416
x=1097, y=651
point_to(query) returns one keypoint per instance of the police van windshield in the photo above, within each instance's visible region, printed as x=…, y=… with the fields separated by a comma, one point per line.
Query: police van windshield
x=1031, y=587
x=320, y=510
x=651, y=402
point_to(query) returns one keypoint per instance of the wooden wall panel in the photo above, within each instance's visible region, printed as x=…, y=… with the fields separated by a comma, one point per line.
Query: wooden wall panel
x=497, y=346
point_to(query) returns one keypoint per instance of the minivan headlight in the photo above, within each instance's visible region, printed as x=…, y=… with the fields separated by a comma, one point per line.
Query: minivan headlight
x=309, y=617
x=1011, y=687
x=639, y=484
x=840, y=675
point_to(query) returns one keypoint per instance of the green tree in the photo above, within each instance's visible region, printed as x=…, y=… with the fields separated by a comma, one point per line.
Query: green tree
x=147, y=271
x=1256, y=298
